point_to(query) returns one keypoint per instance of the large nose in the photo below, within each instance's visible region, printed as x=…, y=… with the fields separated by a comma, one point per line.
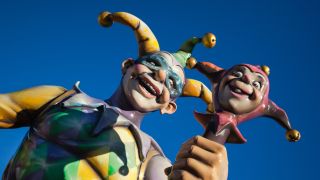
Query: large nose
x=247, y=77
x=160, y=76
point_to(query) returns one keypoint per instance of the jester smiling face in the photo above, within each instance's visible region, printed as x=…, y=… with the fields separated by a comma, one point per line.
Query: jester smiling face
x=153, y=82
x=242, y=89
x=156, y=78
x=238, y=94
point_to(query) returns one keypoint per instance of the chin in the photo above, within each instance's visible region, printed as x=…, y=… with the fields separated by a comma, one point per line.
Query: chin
x=142, y=103
x=231, y=105
x=227, y=105
x=238, y=108
x=234, y=107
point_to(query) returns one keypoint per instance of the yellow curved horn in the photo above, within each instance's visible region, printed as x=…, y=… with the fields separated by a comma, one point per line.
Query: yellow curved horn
x=146, y=40
x=195, y=88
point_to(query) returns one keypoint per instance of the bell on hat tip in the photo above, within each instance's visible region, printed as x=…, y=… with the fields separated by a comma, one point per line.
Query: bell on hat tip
x=293, y=135
x=209, y=40
x=191, y=63
x=265, y=69
x=105, y=19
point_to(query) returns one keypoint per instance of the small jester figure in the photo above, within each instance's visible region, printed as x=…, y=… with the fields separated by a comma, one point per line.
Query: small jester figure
x=238, y=95
x=75, y=136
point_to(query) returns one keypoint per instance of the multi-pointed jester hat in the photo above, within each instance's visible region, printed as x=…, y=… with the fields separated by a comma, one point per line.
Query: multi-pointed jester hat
x=149, y=49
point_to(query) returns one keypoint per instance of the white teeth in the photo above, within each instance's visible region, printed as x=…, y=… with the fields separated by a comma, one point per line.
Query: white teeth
x=149, y=86
x=237, y=90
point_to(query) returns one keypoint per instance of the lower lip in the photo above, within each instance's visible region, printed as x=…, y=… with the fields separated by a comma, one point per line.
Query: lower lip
x=145, y=93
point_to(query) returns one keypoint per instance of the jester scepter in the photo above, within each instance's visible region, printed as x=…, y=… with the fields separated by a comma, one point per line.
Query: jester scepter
x=238, y=94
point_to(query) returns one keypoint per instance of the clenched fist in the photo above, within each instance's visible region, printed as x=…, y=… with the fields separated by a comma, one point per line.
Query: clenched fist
x=200, y=158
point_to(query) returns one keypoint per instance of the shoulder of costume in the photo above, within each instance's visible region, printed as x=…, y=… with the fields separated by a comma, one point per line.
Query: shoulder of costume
x=153, y=143
x=79, y=98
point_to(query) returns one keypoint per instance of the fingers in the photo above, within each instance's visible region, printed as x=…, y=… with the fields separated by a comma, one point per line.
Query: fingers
x=208, y=144
x=192, y=165
x=202, y=158
x=197, y=153
x=182, y=175
x=203, y=143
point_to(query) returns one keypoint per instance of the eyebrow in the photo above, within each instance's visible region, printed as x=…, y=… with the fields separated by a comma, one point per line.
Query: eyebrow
x=260, y=77
x=242, y=68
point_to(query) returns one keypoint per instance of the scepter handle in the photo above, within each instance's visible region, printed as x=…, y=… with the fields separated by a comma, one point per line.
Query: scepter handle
x=220, y=137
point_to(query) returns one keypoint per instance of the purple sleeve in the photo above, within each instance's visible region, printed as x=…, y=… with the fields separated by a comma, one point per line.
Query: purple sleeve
x=156, y=167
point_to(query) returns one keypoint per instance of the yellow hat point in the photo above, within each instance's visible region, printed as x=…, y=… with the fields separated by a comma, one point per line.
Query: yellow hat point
x=265, y=69
x=293, y=135
x=105, y=19
x=209, y=40
x=191, y=63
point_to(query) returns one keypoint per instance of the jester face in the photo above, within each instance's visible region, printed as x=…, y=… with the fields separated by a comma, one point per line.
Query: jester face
x=242, y=89
x=153, y=82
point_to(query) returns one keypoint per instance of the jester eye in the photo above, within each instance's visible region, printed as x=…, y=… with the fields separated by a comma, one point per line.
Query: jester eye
x=256, y=84
x=237, y=74
x=171, y=83
x=153, y=62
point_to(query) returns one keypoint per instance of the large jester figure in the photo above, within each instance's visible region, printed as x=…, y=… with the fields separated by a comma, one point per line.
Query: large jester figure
x=75, y=136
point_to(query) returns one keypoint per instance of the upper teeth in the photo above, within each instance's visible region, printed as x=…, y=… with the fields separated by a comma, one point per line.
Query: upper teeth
x=149, y=86
x=237, y=90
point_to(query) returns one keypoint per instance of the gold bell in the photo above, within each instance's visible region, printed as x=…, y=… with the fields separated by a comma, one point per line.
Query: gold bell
x=209, y=40
x=265, y=69
x=191, y=63
x=293, y=135
x=105, y=19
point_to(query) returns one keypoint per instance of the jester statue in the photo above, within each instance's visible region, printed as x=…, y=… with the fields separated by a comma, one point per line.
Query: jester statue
x=238, y=94
x=75, y=136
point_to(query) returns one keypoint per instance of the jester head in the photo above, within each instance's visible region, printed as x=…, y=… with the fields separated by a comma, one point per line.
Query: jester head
x=243, y=91
x=153, y=82
x=156, y=78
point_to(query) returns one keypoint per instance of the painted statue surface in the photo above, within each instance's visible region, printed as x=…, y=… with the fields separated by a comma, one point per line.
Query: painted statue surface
x=75, y=136
x=239, y=94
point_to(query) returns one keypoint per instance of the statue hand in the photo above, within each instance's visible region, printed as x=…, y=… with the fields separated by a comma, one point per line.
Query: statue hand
x=200, y=158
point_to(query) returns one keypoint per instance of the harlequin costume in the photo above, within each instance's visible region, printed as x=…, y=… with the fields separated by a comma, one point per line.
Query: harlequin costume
x=77, y=126
x=77, y=136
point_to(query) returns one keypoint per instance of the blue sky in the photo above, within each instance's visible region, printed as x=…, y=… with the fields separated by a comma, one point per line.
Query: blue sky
x=59, y=42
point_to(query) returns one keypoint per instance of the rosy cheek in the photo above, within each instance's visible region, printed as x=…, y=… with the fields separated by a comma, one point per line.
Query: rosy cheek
x=228, y=78
x=258, y=95
x=224, y=81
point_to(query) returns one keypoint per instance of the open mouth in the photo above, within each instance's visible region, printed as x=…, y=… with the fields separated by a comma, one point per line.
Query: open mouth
x=148, y=86
x=240, y=91
x=237, y=90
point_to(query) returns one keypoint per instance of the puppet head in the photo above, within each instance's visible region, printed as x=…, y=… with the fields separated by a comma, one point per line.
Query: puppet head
x=155, y=79
x=243, y=91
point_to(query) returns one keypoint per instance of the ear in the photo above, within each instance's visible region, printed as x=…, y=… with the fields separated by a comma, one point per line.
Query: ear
x=126, y=64
x=170, y=109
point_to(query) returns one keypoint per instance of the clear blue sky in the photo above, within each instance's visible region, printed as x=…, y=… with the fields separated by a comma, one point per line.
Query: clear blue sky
x=59, y=42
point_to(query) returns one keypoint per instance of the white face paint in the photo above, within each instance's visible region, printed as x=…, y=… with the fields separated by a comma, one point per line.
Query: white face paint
x=146, y=89
x=241, y=90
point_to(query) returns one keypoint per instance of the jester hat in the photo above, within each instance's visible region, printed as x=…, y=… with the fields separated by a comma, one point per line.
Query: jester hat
x=147, y=42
